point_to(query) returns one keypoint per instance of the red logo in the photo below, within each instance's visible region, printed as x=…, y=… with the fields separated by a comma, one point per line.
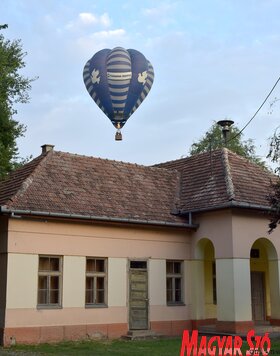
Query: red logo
x=224, y=345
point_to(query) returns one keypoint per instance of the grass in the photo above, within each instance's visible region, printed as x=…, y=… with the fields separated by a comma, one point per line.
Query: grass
x=158, y=347
x=95, y=348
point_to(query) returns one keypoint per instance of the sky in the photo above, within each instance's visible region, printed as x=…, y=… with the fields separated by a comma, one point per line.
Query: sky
x=212, y=60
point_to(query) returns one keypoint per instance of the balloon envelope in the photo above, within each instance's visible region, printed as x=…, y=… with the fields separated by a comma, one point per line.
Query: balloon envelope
x=118, y=80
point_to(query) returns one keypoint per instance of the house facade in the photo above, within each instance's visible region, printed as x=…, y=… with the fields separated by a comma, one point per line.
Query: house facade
x=94, y=248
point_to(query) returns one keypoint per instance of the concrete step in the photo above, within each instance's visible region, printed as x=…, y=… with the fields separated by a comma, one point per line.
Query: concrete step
x=210, y=330
x=141, y=335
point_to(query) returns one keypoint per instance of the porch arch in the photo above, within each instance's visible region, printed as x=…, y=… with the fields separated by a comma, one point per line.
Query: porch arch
x=204, y=283
x=265, y=286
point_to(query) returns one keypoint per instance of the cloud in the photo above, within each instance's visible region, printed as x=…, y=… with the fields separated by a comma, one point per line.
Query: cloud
x=86, y=19
x=163, y=9
x=101, y=39
x=161, y=14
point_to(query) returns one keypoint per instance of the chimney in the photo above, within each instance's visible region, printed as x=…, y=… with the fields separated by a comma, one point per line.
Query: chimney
x=225, y=125
x=46, y=148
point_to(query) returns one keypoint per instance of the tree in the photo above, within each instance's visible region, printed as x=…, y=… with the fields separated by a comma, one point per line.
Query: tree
x=274, y=196
x=213, y=139
x=14, y=88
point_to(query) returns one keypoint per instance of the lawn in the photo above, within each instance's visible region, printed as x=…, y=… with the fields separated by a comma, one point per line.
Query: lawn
x=95, y=348
x=158, y=347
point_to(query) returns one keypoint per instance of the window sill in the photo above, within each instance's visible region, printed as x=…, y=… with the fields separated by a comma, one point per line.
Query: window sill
x=94, y=306
x=177, y=304
x=42, y=306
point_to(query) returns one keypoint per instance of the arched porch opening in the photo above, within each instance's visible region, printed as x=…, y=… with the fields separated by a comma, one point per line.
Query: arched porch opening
x=265, y=291
x=204, y=283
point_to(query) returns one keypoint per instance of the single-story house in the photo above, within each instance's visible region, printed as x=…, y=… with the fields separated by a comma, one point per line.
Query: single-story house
x=97, y=248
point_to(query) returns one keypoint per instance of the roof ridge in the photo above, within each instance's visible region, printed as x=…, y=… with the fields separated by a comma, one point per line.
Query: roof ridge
x=29, y=179
x=228, y=177
x=113, y=161
x=188, y=157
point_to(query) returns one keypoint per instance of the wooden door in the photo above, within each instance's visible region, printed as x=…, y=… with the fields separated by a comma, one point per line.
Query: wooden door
x=258, y=296
x=138, y=295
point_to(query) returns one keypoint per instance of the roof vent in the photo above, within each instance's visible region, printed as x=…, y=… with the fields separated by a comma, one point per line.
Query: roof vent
x=46, y=148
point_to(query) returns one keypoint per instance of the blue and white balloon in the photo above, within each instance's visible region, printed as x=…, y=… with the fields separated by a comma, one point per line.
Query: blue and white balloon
x=118, y=80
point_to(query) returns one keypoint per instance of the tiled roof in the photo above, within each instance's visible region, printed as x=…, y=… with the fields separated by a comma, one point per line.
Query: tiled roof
x=214, y=180
x=17, y=180
x=71, y=184
x=64, y=183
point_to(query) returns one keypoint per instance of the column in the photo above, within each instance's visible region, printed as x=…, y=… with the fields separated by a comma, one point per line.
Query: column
x=234, y=313
x=197, y=292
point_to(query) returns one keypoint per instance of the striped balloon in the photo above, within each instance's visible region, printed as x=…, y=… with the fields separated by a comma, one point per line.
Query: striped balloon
x=118, y=81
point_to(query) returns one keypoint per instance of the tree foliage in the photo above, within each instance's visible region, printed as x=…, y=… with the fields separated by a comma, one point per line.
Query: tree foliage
x=213, y=139
x=14, y=88
x=274, y=196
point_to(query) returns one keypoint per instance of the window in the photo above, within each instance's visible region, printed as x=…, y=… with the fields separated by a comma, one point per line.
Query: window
x=255, y=253
x=96, y=282
x=174, y=282
x=138, y=264
x=49, y=281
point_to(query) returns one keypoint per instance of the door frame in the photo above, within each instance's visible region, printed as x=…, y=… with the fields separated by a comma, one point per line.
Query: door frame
x=129, y=269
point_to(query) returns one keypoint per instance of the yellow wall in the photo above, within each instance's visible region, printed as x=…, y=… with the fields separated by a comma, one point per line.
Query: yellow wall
x=157, y=282
x=22, y=281
x=117, y=282
x=74, y=242
x=73, y=294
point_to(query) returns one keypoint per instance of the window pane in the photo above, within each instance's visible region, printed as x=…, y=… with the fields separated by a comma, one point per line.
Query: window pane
x=100, y=296
x=42, y=282
x=89, y=283
x=169, y=295
x=44, y=264
x=169, y=267
x=54, y=296
x=138, y=264
x=89, y=296
x=100, y=266
x=42, y=296
x=177, y=295
x=54, y=264
x=54, y=282
x=169, y=283
x=177, y=267
x=90, y=265
x=100, y=282
x=177, y=289
x=169, y=289
x=177, y=283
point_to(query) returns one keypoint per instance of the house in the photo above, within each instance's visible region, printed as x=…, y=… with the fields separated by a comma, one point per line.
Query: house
x=96, y=248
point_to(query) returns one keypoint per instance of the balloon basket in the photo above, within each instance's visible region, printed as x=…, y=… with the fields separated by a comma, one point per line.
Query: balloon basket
x=118, y=136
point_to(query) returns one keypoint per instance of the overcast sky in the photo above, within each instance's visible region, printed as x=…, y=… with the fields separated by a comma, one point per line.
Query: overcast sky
x=213, y=59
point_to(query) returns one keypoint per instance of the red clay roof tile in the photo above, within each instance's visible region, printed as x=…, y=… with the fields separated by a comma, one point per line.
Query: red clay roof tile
x=58, y=182
x=211, y=180
x=67, y=183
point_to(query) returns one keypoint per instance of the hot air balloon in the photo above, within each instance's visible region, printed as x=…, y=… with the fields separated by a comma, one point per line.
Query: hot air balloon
x=118, y=80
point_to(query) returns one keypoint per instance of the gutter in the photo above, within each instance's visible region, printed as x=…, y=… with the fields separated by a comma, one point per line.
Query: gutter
x=231, y=204
x=12, y=212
